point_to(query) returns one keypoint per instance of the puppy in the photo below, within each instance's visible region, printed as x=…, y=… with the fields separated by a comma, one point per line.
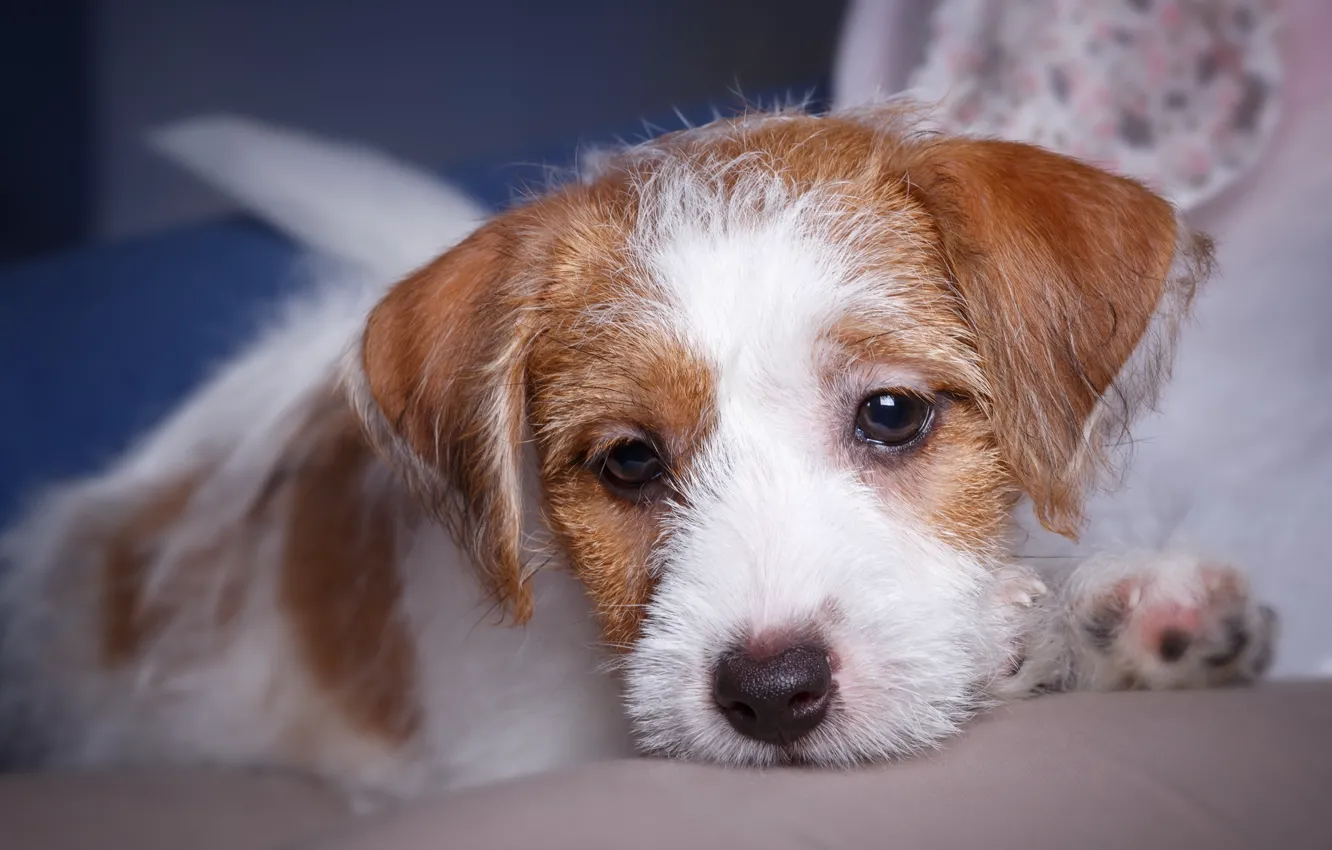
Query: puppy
x=713, y=452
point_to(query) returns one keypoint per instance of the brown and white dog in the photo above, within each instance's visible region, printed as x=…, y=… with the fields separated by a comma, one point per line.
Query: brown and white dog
x=715, y=450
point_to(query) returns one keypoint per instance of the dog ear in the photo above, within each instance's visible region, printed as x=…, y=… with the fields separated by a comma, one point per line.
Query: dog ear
x=440, y=386
x=1075, y=282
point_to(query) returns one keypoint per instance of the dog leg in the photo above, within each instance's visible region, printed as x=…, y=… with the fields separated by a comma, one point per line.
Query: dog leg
x=1153, y=621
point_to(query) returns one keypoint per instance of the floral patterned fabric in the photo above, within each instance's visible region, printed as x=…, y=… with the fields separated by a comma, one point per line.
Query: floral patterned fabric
x=1180, y=94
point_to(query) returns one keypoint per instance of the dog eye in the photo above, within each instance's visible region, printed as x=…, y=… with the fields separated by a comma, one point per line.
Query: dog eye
x=892, y=418
x=631, y=465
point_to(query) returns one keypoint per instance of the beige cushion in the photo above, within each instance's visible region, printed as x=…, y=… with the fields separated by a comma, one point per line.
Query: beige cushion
x=161, y=810
x=1222, y=769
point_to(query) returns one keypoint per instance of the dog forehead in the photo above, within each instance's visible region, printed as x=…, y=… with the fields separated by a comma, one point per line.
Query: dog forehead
x=746, y=257
x=746, y=292
x=761, y=274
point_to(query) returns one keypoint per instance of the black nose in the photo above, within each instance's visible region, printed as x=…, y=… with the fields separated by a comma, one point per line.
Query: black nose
x=777, y=699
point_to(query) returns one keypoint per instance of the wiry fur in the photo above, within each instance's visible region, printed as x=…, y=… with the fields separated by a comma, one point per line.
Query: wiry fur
x=730, y=293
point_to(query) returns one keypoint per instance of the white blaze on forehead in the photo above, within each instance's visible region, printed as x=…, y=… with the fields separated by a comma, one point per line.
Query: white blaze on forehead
x=764, y=291
x=749, y=275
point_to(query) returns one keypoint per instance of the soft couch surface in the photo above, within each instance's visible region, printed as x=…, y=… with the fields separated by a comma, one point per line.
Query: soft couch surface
x=163, y=810
x=1245, y=768
x=1176, y=771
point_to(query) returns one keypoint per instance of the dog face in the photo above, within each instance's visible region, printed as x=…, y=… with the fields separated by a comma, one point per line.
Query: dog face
x=785, y=378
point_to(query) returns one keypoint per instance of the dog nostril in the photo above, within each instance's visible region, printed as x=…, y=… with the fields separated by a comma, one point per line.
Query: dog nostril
x=776, y=699
x=740, y=710
x=802, y=699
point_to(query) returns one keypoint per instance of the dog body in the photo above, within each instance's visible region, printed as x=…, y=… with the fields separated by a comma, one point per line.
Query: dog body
x=731, y=431
x=167, y=586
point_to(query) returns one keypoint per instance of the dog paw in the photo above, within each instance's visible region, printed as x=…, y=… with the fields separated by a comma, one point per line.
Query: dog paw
x=1176, y=622
x=1016, y=599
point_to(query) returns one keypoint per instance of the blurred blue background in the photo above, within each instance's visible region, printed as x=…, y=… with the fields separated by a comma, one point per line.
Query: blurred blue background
x=434, y=82
x=123, y=280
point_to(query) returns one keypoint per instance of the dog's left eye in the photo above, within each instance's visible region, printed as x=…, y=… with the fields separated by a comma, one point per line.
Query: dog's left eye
x=631, y=465
x=893, y=418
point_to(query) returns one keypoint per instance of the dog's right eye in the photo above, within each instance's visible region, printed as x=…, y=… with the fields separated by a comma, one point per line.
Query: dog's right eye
x=631, y=466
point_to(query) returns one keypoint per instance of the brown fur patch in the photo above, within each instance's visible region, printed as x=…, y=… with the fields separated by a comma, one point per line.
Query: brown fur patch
x=958, y=484
x=339, y=583
x=500, y=328
x=443, y=357
x=1060, y=268
x=659, y=392
x=596, y=375
x=131, y=616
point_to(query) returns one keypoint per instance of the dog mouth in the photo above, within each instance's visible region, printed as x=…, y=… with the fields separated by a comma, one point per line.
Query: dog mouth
x=799, y=754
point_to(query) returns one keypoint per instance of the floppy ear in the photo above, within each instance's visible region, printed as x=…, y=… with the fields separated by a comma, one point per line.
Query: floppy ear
x=440, y=386
x=1075, y=282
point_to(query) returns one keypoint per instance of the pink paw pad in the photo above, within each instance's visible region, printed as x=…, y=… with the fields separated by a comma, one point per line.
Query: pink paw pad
x=1168, y=628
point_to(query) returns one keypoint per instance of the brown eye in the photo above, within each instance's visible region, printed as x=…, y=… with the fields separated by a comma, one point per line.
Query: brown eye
x=630, y=466
x=892, y=418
